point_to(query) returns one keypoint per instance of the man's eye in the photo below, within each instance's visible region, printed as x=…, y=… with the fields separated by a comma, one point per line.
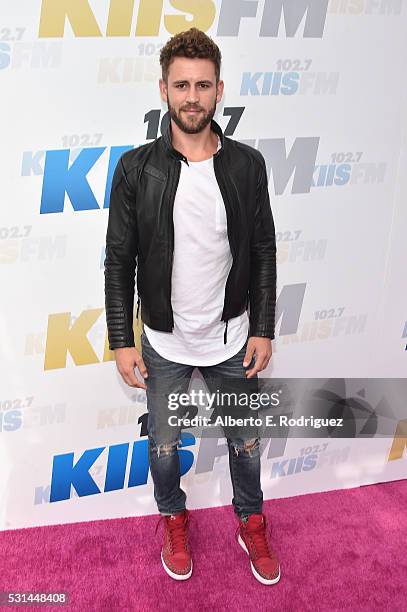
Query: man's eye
x=203, y=85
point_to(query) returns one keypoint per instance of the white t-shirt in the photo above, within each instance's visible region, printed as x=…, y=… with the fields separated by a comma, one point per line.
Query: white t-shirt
x=201, y=264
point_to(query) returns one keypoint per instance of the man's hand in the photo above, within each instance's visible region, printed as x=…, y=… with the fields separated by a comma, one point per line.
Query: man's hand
x=127, y=359
x=261, y=348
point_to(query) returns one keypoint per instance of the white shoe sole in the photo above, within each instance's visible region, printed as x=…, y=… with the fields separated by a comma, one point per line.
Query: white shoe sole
x=173, y=575
x=255, y=573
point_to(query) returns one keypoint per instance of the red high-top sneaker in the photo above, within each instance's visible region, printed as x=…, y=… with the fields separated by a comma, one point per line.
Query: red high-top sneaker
x=253, y=539
x=175, y=553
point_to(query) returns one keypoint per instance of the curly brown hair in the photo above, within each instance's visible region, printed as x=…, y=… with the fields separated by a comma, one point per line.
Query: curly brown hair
x=191, y=43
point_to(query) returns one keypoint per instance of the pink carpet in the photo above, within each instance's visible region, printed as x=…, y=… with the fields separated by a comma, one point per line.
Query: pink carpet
x=339, y=550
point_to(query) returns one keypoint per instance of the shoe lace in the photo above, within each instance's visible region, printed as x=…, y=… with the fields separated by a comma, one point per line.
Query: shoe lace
x=177, y=533
x=258, y=540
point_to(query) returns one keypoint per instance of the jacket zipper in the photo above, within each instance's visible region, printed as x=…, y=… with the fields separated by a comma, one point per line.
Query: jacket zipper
x=171, y=245
x=229, y=215
x=226, y=332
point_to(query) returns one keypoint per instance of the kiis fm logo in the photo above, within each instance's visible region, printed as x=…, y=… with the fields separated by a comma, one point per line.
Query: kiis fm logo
x=63, y=177
x=297, y=167
x=148, y=16
x=86, y=477
x=68, y=475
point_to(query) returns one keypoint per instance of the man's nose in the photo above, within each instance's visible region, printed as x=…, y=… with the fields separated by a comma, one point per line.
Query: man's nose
x=193, y=95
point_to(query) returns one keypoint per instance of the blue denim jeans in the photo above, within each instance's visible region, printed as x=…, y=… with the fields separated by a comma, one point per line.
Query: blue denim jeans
x=244, y=452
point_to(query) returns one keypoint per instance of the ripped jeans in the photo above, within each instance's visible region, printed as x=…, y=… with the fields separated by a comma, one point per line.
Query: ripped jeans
x=244, y=452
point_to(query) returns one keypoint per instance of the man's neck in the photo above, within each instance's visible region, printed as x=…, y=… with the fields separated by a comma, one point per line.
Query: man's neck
x=195, y=147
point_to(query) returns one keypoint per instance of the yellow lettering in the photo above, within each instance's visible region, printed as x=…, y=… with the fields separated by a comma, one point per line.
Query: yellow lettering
x=357, y=7
x=78, y=12
x=34, y=344
x=8, y=251
x=283, y=250
x=62, y=338
x=149, y=17
x=399, y=441
x=203, y=12
x=120, y=16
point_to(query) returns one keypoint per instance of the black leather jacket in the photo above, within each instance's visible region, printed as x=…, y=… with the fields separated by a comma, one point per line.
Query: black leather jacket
x=140, y=231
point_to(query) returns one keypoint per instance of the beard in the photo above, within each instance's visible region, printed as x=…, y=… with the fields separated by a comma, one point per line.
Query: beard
x=192, y=124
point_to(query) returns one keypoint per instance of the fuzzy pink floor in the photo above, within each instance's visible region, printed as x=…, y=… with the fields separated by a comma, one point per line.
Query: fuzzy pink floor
x=339, y=550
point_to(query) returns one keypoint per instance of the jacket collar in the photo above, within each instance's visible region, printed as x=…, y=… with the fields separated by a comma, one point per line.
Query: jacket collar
x=167, y=140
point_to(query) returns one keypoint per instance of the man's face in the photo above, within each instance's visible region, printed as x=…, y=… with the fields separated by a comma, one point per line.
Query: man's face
x=191, y=93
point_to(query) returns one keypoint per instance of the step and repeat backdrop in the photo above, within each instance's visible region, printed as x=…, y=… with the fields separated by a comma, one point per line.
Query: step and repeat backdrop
x=319, y=88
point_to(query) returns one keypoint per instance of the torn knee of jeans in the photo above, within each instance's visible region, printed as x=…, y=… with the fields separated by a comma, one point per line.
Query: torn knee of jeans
x=168, y=448
x=248, y=446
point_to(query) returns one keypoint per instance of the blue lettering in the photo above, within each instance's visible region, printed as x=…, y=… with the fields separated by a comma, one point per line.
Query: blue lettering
x=59, y=179
x=116, y=467
x=249, y=83
x=310, y=462
x=290, y=83
x=11, y=420
x=65, y=474
x=4, y=55
x=343, y=174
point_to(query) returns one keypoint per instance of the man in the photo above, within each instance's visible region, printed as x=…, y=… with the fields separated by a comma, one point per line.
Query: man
x=192, y=210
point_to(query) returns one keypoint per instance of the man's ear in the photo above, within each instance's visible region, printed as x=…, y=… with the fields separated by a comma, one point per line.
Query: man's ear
x=163, y=90
x=219, y=91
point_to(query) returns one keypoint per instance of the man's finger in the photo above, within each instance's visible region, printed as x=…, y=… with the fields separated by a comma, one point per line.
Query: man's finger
x=131, y=379
x=261, y=363
x=142, y=367
x=250, y=373
x=248, y=356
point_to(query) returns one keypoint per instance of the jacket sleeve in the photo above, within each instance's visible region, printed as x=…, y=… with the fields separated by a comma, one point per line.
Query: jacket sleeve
x=263, y=269
x=120, y=261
